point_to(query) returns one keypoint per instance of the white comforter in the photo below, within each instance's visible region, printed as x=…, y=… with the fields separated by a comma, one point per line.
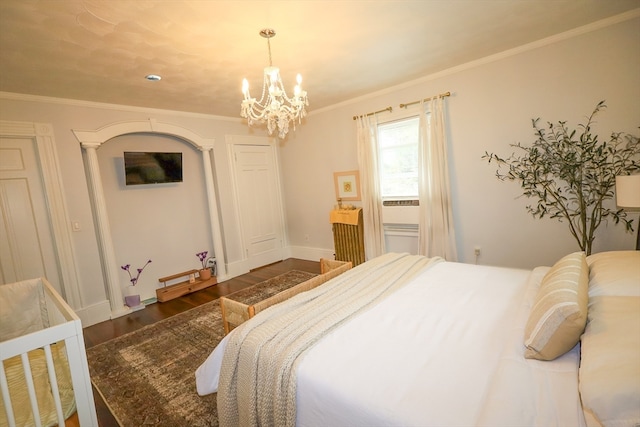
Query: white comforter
x=445, y=350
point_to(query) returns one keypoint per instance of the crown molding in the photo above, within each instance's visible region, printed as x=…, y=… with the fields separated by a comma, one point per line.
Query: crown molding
x=106, y=106
x=556, y=38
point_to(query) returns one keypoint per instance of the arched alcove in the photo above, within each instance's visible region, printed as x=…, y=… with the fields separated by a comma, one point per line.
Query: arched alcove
x=90, y=142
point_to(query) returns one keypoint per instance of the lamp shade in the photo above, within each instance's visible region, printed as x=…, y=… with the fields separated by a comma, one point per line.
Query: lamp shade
x=628, y=191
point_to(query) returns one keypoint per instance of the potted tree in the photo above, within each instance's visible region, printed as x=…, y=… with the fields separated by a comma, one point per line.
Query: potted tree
x=570, y=173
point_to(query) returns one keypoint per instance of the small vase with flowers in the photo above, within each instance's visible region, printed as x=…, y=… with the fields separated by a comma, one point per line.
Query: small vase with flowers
x=204, y=273
x=132, y=299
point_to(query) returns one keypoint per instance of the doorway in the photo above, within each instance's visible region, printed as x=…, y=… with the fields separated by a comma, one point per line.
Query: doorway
x=259, y=199
x=27, y=249
x=36, y=233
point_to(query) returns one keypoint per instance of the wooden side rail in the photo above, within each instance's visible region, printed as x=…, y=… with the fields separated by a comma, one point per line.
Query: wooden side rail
x=169, y=292
x=235, y=313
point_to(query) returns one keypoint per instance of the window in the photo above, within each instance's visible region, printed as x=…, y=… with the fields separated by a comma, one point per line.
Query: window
x=398, y=142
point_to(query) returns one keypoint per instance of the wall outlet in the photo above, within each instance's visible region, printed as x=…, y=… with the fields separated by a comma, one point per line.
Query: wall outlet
x=306, y=237
x=476, y=250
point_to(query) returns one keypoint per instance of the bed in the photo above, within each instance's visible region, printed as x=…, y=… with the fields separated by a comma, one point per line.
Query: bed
x=409, y=341
x=44, y=376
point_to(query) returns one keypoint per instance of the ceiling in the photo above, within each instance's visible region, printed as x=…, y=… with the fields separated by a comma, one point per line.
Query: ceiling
x=101, y=50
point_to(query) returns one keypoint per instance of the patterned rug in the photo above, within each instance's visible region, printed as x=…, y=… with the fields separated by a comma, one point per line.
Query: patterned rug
x=147, y=377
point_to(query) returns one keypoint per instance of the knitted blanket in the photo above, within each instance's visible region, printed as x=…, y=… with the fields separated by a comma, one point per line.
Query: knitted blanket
x=258, y=378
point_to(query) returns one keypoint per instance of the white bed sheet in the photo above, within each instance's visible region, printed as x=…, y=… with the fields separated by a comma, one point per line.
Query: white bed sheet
x=445, y=350
x=452, y=355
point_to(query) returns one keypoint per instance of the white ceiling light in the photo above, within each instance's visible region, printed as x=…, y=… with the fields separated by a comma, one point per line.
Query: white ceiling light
x=274, y=107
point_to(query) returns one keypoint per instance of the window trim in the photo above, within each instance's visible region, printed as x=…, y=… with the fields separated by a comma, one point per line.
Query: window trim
x=410, y=112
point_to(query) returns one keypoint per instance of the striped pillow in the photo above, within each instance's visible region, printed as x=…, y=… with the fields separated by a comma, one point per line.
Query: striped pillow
x=559, y=314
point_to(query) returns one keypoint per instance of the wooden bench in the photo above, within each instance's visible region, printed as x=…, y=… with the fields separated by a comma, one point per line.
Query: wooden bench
x=235, y=313
x=176, y=290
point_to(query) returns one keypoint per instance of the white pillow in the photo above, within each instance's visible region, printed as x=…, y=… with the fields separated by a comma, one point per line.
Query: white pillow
x=610, y=361
x=559, y=314
x=614, y=273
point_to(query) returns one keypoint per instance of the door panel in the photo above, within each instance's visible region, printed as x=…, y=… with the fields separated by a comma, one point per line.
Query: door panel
x=26, y=247
x=259, y=203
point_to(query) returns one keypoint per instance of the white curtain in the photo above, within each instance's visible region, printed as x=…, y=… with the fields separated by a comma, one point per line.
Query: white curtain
x=371, y=199
x=436, y=233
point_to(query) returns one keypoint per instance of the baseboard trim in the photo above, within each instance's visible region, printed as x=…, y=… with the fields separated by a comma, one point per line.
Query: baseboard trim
x=94, y=313
x=236, y=269
x=101, y=311
x=311, y=254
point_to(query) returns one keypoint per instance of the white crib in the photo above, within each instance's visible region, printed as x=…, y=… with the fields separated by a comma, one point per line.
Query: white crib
x=39, y=329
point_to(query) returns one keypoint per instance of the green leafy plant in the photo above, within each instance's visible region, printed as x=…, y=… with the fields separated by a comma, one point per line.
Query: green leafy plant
x=571, y=173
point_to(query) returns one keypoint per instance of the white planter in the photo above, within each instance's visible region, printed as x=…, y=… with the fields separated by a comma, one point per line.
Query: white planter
x=132, y=298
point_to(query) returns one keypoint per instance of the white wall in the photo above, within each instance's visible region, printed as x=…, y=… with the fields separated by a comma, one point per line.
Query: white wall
x=492, y=104
x=167, y=223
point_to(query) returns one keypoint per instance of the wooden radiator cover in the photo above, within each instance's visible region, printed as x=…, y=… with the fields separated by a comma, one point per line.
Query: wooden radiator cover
x=348, y=241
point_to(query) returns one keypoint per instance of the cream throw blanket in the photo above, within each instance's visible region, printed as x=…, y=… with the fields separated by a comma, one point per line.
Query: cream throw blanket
x=258, y=375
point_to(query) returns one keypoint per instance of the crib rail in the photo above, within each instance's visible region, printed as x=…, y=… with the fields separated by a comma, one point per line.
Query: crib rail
x=65, y=326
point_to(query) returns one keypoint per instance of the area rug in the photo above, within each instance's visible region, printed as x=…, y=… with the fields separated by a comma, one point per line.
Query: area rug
x=147, y=377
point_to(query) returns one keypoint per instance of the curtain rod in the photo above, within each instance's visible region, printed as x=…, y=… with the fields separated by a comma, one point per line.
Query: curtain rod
x=375, y=112
x=442, y=95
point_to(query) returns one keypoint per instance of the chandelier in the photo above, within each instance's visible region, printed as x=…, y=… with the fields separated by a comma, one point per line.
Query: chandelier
x=274, y=108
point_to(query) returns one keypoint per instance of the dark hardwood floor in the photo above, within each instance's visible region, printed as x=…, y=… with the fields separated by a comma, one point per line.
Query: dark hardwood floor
x=101, y=332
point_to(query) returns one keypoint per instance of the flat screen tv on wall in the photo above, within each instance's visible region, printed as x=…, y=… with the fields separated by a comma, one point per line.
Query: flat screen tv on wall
x=152, y=168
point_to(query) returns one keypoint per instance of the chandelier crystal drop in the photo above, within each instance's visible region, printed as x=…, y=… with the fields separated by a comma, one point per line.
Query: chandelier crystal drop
x=275, y=107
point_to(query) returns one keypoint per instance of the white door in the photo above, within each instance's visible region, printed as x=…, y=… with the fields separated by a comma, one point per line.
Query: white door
x=26, y=246
x=259, y=202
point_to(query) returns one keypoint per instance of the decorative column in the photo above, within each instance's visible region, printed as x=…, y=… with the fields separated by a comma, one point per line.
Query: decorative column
x=104, y=231
x=218, y=248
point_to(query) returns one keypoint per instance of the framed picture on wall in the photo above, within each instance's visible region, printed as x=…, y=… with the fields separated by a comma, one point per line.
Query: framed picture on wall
x=347, y=185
